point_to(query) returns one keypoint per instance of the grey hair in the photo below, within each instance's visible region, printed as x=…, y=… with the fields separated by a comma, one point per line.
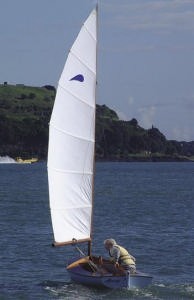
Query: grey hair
x=110, y=241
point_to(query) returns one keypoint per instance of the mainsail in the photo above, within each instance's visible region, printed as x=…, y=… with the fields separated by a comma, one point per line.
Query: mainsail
x=71, y=140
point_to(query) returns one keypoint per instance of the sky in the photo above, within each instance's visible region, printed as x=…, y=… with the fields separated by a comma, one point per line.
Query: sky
x=145, y=54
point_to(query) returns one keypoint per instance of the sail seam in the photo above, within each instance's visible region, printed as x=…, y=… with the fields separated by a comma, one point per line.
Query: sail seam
x=68, y=171
x=78, y=98
x=69, y=134
x=73, y=53
x=68, y=208
x=92, y=36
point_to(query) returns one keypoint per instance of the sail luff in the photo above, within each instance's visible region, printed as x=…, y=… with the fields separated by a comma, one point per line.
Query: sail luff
x=91, y=230
x=71, y=141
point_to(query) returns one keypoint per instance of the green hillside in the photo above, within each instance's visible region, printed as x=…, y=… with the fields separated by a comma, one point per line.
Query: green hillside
x=24, y=116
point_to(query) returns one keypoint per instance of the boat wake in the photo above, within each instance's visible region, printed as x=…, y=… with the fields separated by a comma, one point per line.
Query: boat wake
x=173, y=291
x=7, y=160
x=69, y=290
x=72, y=291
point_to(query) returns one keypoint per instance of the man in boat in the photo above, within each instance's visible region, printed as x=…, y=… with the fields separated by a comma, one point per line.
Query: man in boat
x=120, y=256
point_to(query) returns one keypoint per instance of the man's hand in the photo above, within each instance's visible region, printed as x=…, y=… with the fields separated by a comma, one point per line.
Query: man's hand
x=117, y=264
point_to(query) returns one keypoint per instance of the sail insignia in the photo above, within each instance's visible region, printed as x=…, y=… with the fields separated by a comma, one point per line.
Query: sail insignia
x=78, y=77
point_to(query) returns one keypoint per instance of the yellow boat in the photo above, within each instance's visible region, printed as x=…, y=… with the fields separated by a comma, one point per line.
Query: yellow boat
x=26, y=161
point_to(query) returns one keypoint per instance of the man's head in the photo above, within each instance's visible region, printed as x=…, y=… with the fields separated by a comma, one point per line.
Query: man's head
x=109, y=243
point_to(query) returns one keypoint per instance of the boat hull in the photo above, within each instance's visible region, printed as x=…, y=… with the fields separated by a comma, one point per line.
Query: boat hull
x=100, y=278
x=26, y=161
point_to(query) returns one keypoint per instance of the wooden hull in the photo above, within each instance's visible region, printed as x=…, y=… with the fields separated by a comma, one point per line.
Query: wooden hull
x=106, y=275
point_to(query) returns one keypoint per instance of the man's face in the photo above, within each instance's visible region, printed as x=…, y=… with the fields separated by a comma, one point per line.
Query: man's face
x=108, y=246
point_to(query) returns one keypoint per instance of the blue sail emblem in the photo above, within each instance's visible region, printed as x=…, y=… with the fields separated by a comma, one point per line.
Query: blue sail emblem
x=78, y=77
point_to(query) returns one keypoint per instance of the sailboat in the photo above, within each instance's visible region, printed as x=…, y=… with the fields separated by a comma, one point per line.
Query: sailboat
x=71, y=164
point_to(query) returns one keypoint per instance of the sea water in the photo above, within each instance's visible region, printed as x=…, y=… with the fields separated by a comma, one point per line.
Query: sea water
x=147, y=207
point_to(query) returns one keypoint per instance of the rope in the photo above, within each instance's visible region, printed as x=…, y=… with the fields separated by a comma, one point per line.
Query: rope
x=93, y=266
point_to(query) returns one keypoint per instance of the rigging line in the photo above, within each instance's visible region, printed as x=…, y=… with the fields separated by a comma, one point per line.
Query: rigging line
x=71, y=135
x=75, y=96
x=93, y=266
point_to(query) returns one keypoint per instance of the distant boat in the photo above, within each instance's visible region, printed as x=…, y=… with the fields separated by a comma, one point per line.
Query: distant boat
x=71, y=165
x=26, y=161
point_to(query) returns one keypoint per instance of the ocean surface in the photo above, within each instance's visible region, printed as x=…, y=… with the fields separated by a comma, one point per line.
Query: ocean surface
x=147, y=207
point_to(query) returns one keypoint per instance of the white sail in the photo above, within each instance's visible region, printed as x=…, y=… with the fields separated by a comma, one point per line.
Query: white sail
x=71, y=140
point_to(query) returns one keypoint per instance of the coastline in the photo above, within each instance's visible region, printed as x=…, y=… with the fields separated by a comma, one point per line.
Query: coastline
x=153, y=158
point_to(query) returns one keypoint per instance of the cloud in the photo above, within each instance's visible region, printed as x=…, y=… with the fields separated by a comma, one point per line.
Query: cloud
x=152, y=15
x=146, y=116
x=126, y=115
x=184, y=102
x=121, y=115
x=182, y=133
x=130, y=101
x=187, y=103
